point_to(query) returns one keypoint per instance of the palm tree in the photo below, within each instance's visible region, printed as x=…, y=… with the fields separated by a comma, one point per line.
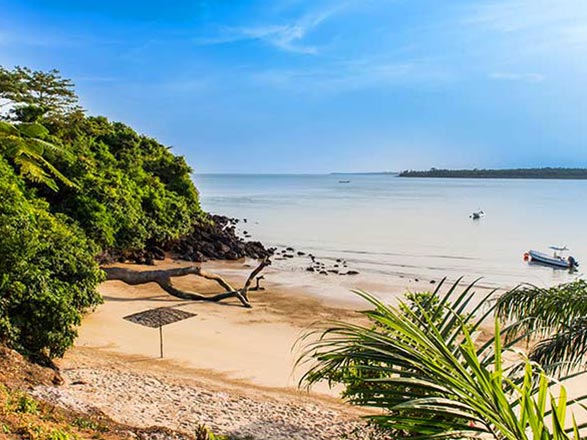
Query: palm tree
x=421, y=366
x=558, y=315
x=23, y=144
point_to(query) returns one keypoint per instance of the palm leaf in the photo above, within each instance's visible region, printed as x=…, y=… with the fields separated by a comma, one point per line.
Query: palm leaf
x=27, y=150
x=559, y=314
x=430, y=379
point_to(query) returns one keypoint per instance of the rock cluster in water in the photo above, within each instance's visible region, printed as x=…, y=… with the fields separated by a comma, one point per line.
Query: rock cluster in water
x=339, y=267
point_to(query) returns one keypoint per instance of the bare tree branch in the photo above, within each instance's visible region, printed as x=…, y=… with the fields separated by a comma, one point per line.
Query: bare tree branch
x=163, y=279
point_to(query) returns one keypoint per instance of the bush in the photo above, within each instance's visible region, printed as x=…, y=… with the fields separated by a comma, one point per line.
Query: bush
x=133, y=192
x=49, y=275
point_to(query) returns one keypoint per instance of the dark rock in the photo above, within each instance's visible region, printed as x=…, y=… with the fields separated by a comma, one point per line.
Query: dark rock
x=216, y=238
x=323, y=272
x=432, y=281
x=290, y=249
x=310, y=269
x=300, y=253
x=333, y=271
x=157, y=252
x=352, y=272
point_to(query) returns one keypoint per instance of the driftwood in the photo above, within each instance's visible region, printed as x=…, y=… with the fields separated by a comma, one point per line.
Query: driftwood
x=163, y=279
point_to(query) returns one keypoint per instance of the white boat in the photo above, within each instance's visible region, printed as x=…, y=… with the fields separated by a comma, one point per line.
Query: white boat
x=477, y=215
x=557, y=259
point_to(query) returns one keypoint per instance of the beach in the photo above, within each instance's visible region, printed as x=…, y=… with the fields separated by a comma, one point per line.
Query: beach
x=229, y=367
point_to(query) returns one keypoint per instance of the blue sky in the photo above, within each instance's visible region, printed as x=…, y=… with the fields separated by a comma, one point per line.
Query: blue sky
x=320, y=86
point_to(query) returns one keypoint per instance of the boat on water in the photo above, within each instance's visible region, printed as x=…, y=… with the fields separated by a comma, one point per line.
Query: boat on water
x=557, y=259
x=344, y=181
x=477, y=214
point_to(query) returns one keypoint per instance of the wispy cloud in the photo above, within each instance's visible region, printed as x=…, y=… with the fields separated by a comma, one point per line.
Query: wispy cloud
x=538, y=22
x=525, y=77
x=288, y=37
x=356, y=75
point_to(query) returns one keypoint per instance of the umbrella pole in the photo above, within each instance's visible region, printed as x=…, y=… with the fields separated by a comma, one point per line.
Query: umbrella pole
x=161, y=341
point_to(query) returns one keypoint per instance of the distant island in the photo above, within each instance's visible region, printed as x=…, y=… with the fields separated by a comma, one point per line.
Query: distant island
x=369, y=173
x=517, y=173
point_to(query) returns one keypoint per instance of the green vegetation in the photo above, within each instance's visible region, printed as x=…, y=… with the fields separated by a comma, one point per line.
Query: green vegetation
x=420, y=365
x=73, y=188
x=518, y=173
x=557, y=317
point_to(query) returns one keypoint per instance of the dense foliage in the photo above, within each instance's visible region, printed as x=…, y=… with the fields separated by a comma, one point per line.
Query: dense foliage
x=48, y=272
x=73, y=188
x=421, y=366
x=519, y=173
x=132, y=191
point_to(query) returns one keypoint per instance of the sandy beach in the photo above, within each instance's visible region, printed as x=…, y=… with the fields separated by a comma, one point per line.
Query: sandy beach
x=229, y=367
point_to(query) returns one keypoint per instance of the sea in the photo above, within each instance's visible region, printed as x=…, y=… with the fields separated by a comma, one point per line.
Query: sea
x=404, y=232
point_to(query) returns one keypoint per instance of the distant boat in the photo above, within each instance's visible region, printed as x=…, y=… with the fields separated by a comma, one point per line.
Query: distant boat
x=477, y=215
x=344, y=181
x=557, y=259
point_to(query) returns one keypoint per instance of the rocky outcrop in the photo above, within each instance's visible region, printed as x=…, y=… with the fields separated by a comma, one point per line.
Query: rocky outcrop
x=212, y=238
x=216, y=239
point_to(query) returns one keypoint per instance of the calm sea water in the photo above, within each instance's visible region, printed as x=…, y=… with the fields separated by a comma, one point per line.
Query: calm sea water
x=386, y=226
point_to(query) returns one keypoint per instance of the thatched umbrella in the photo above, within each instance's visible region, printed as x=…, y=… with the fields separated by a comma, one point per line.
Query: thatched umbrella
x=158, y=318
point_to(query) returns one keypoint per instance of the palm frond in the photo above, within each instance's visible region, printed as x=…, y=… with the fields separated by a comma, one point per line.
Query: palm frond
x=430, y=379
x=34, y=172
x=565, y=350
x=57, y=173
x=539, y=312
x=23, y=144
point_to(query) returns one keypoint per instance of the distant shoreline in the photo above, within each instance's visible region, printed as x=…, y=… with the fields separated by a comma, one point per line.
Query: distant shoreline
x=517, y=173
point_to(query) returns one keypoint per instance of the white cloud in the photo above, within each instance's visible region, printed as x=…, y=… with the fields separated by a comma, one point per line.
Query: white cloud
x=541, y=23
x=287, y=37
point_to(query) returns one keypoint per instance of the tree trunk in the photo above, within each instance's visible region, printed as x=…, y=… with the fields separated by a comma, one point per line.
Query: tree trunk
x=163, y=279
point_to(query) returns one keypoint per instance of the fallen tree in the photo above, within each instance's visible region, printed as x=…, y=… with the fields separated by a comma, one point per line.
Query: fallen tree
x=163, y=278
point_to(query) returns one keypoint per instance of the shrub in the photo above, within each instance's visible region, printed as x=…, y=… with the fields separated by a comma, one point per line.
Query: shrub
x=49, y=275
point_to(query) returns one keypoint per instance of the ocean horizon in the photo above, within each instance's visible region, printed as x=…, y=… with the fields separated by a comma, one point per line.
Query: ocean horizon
x=388, y=228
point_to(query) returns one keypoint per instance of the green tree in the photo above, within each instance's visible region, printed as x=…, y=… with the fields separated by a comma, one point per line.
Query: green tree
x=24, y=145
x=431, y=380
x=35, y=93
x=48, y=273
x=556, y=317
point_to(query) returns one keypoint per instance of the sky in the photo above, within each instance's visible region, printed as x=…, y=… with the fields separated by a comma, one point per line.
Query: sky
x=314, y=86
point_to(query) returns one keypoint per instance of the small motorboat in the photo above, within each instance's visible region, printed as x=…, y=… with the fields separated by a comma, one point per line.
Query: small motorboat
x=344, y=181
x=557, y=259
x=477, y=215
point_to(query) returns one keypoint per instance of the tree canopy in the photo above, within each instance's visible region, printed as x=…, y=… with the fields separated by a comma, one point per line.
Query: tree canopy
x=73, y=188
x=35, y=93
